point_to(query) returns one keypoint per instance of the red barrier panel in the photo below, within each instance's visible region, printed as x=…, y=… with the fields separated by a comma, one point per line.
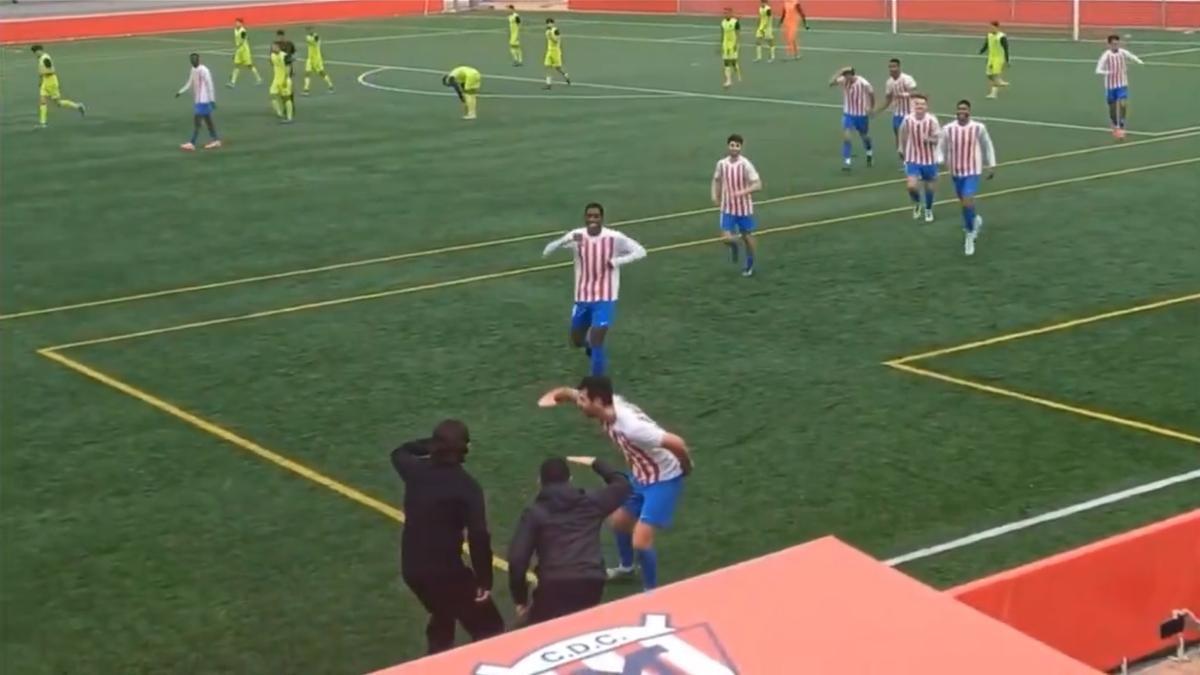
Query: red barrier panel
x=653, y=6
x=48, y=29
x=819, y=9
x=1101, y=603
x=1183, y=15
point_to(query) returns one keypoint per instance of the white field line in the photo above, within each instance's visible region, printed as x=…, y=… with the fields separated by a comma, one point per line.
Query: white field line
x=1172, y=52
x=722, y=97
x=1050, y=516
x=408, y=36
x=364, y=81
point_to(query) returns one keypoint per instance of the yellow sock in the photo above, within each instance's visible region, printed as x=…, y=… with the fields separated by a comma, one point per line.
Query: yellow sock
x=758, y=52
x=67, y=103
x=306, y=82
x=472, y=104
x=995, y=90
x=289, y=108
x=329, y=80
x=43, y=112
x=772, y=52
x=254, y=69
x=234, y=76
x=277, y=105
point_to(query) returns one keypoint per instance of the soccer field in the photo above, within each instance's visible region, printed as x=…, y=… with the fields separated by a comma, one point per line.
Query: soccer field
x=208, y=356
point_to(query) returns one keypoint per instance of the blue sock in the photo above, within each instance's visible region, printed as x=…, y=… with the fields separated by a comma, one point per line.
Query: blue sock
x=969, y=218
x=915, y=196
x=928, y=197
x=749, y=261
x=845, y=149
x=599, y=360
x=625, y=548
x=867, y=144
x=649, y=561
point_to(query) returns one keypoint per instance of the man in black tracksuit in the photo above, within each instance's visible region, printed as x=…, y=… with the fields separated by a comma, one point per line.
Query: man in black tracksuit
x=562, y=527
x=440, y=501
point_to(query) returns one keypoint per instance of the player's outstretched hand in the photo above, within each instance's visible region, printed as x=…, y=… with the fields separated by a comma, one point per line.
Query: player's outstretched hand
x=556, y=396
x=585, y=461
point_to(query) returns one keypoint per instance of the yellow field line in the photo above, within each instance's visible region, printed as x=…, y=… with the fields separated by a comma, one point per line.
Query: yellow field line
x=1044, y=329
x=1045, y=402
x=232, y=438
x=527, y=237
x=549, y=266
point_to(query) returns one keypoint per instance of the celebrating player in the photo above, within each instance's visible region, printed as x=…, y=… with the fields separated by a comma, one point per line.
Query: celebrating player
x=657, y=458
x=241, y=54
x=514, y=37
x=765, y=35
x=791, y=20
x=919, y=136
x=900, y=87
x=733, y=184
x=599, y=254
x=281, y=85
x=1114, y=66
x=205, y=99
x=858, y=100
x=554, y=54
x=48, y=88
x=730, y=49
x=967, y=149
x=466, y=82
x=995, y=45
x=314, y=63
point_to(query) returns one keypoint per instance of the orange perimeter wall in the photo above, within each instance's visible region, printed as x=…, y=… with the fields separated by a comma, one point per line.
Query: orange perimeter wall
x=48, y=29
x=1146, y=13
x=1101, y=603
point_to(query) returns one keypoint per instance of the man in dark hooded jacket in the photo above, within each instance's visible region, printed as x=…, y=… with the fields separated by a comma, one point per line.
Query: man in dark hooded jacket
x=562, y=527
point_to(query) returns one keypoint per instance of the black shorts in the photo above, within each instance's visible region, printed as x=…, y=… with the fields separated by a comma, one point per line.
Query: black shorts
x=555, y=598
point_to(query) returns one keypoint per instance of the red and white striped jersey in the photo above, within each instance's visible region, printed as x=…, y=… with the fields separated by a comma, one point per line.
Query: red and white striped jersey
x=920, y=138
x=900, y=89
x=598, y=260
x=640, y=439
x=856, y=96
x=967, y=148
x=734, y=175
x=1114, y=66
x=201, y=83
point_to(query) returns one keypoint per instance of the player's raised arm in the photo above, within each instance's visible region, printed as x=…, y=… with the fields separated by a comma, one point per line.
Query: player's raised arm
x=627, y=250
x=559, y=395
x=839, y=76
x=568, y=240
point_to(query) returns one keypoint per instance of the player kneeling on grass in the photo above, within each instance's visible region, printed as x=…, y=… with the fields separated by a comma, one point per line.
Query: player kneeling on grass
x=465, y=81
x=205, y=97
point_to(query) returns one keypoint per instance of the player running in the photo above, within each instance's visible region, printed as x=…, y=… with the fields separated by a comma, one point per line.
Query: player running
x=281, y=85
x=241, y=54
x=995, y=45
x=658, y=460
x=514, y=37
x=967, y=149
x=314, y=62
x=858, y=100
x=919, y=136
x=48, y=88
x=599, y=254
x=765, y=35
x=466, y=82
x=900, y=87
x=204, y=101
x=1114, y=66
x=790, y=21
x=554, y=54
x=730, y=49
x=733, y=184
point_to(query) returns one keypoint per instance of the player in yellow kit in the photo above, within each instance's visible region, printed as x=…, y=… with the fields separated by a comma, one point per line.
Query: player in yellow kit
x=765, y=33
x=241, y=54
x=554, y=55
x=514, y=37
x=465, y=81
x=730, y=49
x=315, y=61
x=281, y=85
x=49, y=89
x=996, y=48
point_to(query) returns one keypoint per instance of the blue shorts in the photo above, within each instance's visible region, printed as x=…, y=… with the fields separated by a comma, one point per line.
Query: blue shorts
x=203, y=109
x=859, y=123
x=593, y=314
x=738, y=224
x=966, y=186
x=926, y=172
x=897, y=120
x=654, y=504
x=1118, y=94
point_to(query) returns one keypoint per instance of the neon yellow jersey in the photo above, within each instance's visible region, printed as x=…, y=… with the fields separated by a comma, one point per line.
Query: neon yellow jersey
x=240, y=38
x=279, y=66
x=764, y=18
x=45, y=65
x=729, y=33
x=995, y=46
x=553, y=40
x=514, y=28
x=314, y=45
x=464, y=73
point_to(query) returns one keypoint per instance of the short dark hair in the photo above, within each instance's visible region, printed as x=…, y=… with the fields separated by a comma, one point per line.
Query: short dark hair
x=598, y=387
x=1114, y=37
x=735, y=137
x=193, y=55
x=238, y=20
x=279, y=32
x=996, y=24
x=549, y=20
x=895, y=61
x=555, y=470
x=963, y=102
x=594, y=205
x=923, y=97
x=35, y=49
x=848, y=71
x=450, y=442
